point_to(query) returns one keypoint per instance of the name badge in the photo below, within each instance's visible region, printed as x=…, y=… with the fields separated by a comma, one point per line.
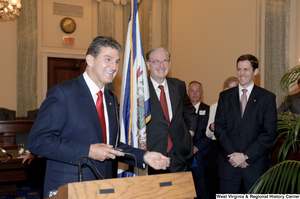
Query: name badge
x=202, y=112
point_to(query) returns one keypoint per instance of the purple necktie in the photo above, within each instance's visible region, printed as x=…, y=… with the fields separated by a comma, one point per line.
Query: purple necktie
x=243, y=101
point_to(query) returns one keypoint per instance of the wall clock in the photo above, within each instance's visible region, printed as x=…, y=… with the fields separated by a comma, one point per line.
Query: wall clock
x=68, y=25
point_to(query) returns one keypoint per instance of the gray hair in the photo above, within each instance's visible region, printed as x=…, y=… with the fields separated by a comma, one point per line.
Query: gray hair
x=102, y=41
x=148, y=55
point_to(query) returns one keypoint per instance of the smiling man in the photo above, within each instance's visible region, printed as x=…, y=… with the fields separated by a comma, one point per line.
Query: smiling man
x=173, y=117
x=78, y=118
x=245, y=127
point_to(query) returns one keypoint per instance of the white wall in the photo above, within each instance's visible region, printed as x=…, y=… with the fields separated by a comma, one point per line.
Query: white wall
x=206, y=38
x=8, y=65
x=50, y=36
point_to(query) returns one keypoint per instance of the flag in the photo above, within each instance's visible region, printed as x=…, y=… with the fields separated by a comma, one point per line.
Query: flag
x=135, y=97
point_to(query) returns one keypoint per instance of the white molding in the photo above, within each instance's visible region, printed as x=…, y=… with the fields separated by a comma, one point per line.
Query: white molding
x=260, y=20
x=44, y=70
x=123, y=2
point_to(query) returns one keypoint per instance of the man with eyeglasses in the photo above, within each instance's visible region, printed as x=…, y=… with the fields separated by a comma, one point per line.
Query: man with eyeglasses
x=173, y=119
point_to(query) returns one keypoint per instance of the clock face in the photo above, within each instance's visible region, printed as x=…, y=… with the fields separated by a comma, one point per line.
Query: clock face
x=68, y=25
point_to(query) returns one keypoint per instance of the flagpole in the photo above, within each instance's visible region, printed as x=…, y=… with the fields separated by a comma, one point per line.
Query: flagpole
x=135, y=96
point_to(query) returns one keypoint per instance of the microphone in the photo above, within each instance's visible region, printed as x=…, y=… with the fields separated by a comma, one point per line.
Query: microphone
x=80, y=175
x=4, y=151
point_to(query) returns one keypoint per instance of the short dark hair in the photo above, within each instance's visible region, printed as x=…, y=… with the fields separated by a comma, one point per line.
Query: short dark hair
x=251, y=58
x=148, y=55
x=102, y=41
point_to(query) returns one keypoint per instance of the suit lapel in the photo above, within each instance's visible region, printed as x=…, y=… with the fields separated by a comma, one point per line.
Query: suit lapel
x=173, y=96
x=253, y=98
x=111, y=116
x=199, y=109
x=89, y=105
x=235, y=101
x=154, y=101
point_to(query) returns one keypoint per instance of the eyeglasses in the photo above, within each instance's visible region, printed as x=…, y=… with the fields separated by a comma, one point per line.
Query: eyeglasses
x=157, y=62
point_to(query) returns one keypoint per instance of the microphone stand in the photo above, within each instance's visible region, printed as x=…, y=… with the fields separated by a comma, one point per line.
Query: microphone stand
x=111, y=88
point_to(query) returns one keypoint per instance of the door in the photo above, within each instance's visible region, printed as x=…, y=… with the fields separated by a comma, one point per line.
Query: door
x=63, y=69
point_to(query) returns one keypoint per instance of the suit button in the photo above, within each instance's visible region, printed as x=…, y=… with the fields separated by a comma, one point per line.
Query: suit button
x=241, y=135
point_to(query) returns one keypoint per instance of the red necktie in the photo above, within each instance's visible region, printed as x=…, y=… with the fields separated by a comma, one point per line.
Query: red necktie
x=100, y=110
x=164, y=105
x=243, y=101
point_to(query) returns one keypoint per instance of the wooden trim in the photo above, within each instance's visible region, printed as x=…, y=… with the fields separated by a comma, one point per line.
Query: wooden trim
x=15, y=126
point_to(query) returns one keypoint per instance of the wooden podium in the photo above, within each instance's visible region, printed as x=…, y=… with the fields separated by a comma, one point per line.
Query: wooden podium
x=173, y=185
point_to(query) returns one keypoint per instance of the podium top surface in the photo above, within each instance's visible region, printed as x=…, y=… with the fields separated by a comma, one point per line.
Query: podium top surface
x=173, y=185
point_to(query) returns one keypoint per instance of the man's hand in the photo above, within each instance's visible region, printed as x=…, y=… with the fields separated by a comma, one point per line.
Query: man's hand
x=244, y=165
x=212, y=127
x=157, y=161
x=102, y=152
x=195, y=150
x=28, y=157
x=192, y=133
x=236, y=159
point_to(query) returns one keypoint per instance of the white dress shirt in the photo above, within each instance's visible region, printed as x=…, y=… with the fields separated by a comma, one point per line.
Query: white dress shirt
x=94, y=89
x=249, y=90
x=211, y=119
x=197, y=106
x=166, y=89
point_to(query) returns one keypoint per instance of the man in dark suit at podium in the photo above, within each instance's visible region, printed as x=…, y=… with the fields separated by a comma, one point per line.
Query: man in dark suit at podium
x=78, y=118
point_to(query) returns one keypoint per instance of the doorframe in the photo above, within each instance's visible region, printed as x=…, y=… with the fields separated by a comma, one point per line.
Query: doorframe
x=43, y=74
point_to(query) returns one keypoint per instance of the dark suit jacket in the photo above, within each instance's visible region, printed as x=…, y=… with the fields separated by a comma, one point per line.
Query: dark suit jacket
x=253, y=135
x=183, y=120
x=291, y=102
x=201, y=141
x=65, y=127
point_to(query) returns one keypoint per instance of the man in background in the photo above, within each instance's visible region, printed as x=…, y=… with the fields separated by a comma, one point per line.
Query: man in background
x=291, y=102
x=245, y=127
x=173, y=117
x=200, y=141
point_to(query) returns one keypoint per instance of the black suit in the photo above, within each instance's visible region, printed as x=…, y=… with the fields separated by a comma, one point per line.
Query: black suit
x=202, y=142
x=253, y=134
x=183, y=120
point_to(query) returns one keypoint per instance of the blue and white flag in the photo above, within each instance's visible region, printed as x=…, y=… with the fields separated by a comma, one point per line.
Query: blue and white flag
x=135, y=97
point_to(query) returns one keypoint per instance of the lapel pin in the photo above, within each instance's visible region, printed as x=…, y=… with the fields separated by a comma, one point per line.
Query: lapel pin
x=255, y=100
x=109, y=103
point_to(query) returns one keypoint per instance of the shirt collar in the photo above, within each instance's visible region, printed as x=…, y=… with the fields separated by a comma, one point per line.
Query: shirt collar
x=155, y=84
x=249, y=89
x=197, y=106
x=94, y=89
